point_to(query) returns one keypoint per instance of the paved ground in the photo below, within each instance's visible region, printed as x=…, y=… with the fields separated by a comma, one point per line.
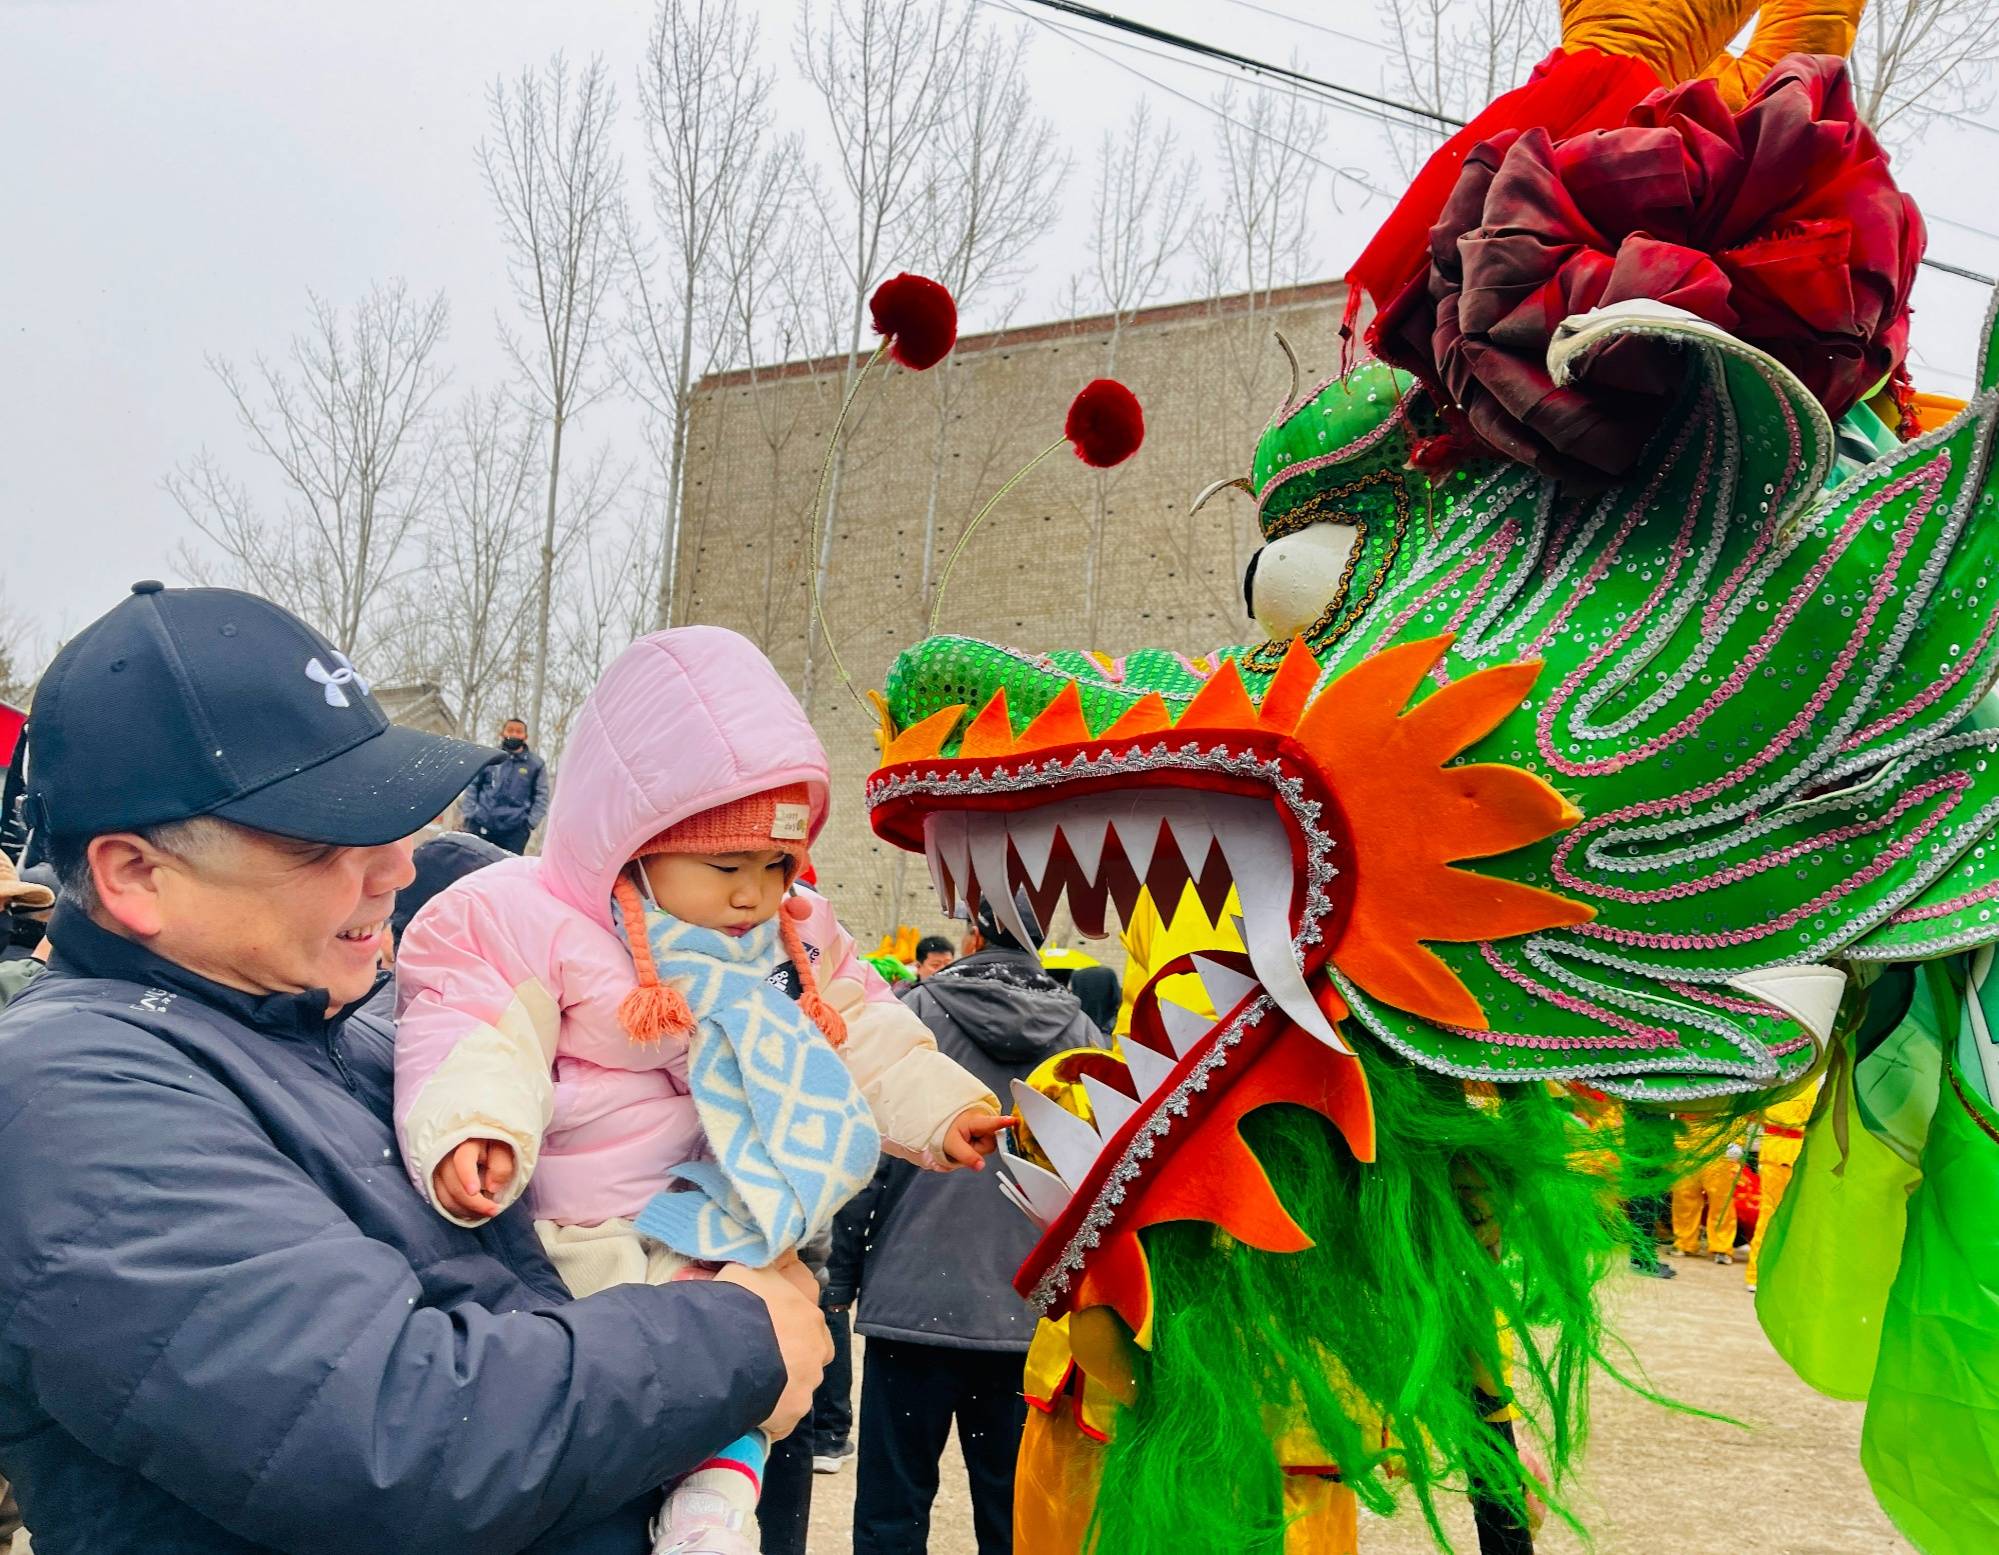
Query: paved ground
x=1656, y=1483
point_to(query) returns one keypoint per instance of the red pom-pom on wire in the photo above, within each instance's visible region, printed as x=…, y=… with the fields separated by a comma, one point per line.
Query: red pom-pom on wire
x=919, y=317
x=1106, y=423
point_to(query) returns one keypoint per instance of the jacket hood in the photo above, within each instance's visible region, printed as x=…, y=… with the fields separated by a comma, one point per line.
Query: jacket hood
x=682, y=720
x=1003, y=1001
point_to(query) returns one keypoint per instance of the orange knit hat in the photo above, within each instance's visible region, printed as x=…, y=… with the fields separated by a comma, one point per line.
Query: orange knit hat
x=778, y=818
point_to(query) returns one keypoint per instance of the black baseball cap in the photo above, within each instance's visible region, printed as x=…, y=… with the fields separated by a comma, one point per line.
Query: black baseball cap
x=185, y=702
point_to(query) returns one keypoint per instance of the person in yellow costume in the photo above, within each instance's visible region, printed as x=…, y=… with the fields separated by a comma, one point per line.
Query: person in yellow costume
x=1776, y=1157
x=1707, y=1191
x=1073, y=1380
x=1151, y=941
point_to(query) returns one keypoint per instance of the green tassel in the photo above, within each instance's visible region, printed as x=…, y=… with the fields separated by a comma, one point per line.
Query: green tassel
x=1394, y=1314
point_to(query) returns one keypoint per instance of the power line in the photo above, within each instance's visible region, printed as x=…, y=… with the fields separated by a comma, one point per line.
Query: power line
x=1951, y=269
x=1337, y=104
x=1117, y=23
x=1962, y=226
x=1208, y=108
x=1299, y=21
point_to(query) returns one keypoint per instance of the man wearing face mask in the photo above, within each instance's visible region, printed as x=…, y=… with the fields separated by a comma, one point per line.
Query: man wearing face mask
x=509, y=795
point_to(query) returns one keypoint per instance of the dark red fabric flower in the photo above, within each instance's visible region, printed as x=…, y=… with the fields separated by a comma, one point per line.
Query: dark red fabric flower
x=919, y=317
x=1105, y=422
x=1780, y=224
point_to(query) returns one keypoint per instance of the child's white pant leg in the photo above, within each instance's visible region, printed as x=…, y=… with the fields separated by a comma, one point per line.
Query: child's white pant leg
x=594, y=1258
x=712, y=1511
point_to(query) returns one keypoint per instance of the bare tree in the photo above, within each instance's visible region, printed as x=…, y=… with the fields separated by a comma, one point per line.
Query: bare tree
x=468, y=616
x=717, y=191
x=1916, y=61
x=555, y=179
x=881, y=68
x=19, y=651
x=612, y=593
x=1146, y=210
x=991, y=199
x=345, y=417
x=1452, y=57
x=1258, y=237
x=781, y=312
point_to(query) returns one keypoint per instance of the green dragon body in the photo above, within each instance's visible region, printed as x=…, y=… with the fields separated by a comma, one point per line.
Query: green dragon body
x=1739, y=718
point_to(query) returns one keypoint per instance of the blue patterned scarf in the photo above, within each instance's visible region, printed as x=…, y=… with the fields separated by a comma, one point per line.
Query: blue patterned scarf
x=792, y=1136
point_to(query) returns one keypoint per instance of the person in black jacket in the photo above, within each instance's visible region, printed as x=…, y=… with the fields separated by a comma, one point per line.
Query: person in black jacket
x=946, y=1335
x=508, y=797
x=232, y=1326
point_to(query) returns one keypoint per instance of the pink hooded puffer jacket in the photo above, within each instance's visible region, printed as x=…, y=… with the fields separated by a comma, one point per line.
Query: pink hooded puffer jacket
x=508, y=983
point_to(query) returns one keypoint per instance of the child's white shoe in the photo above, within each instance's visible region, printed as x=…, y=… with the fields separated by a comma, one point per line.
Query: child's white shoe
x=703, y=1522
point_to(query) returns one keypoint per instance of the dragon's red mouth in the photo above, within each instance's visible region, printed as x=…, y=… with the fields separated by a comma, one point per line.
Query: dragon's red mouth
x=1333, y=815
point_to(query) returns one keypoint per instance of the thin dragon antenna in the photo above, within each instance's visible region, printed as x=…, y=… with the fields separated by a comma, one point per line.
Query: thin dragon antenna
x=1297, y=373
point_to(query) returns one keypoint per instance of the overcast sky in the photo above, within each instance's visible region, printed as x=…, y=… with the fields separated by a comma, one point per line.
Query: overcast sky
x=178, y=174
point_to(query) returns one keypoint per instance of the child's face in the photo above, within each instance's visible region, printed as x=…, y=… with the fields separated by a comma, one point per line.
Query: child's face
x=732, y=891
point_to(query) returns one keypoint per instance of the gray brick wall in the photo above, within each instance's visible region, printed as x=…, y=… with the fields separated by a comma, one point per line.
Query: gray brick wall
x=1208, y=375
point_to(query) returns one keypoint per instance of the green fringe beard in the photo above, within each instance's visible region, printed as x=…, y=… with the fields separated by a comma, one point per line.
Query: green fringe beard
x=1397, y=1303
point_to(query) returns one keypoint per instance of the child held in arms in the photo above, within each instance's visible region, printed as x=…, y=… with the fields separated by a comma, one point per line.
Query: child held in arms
x=654, y=1031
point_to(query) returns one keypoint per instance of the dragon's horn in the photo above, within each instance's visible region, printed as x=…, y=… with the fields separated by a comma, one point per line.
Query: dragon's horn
x=1215, y=488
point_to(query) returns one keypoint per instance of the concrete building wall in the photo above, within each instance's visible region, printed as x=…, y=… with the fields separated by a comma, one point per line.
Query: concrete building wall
x=925, y=453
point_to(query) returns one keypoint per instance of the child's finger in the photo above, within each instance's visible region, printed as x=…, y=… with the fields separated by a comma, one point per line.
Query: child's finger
x=465, y=1163
x=499, y=1168
x=960, y=1151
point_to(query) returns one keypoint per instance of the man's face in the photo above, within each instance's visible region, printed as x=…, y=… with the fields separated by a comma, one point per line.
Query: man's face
x=514, y=730
x=269, y=915
x=933, y=963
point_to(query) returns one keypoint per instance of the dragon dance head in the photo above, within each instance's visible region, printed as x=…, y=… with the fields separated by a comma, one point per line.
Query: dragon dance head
x=1619, y=703
x=1560, y=781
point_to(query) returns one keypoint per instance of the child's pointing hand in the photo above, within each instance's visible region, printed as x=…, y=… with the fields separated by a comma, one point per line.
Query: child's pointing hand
x=972, y=1136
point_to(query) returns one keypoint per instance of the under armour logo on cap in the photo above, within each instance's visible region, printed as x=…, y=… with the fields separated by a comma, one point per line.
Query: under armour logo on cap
x=343, y=673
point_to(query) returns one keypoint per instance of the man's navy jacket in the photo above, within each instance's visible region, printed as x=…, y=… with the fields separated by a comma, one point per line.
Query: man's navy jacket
x=227, y=1324
x=509, y=793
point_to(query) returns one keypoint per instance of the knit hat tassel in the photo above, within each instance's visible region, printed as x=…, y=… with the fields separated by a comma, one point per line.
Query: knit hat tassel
x=822, y=1014
x=654, y=1010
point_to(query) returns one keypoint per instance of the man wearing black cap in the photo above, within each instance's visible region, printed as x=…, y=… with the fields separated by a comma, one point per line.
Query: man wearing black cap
x=228, y=1323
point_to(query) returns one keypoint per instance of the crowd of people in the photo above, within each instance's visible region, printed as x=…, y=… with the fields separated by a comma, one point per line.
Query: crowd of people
x=581, y=1169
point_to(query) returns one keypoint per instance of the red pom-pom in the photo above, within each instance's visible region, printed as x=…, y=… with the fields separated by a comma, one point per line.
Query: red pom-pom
x=919, y=317
x=1106, y=423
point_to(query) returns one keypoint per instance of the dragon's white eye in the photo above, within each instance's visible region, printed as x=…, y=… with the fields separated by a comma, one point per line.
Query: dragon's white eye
x=1297, y=576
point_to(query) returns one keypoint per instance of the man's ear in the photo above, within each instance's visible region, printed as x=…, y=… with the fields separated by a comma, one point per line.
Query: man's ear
x=125, y=869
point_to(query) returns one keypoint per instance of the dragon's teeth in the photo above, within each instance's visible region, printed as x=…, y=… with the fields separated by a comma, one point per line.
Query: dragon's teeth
x=947, y=833
x=1259, y=857
x=1149, y=1070
x=989, y=839
x=1183, y=1027
x=1137, y=828
x=1066, y=1139
x=1033, y=835
x=1226, y=986
x=1084, y=827
x=1042, y=1190
x=940, y=881
x=1192, y=833
x=1111, y=1105
x=1018, y=1200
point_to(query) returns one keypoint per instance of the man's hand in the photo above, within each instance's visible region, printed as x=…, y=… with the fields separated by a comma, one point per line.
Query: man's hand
x=791, y=1296
x=973, y=1135
x=469, y=1181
